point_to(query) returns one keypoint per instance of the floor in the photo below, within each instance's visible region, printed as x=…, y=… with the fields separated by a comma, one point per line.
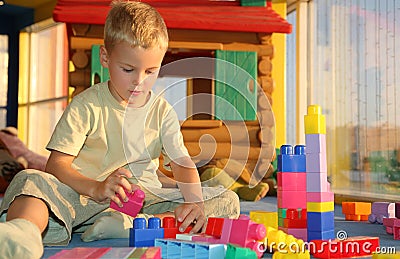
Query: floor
x=267, y=204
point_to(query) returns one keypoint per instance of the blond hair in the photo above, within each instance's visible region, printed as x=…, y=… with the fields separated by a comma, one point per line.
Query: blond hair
x=136, y=23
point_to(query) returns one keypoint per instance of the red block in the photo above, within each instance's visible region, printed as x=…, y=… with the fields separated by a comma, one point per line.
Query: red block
x=171, y=228
x=214, y=227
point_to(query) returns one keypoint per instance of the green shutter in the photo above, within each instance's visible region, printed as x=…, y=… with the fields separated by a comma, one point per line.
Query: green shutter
x=235, y=85
x=96, y=67
x=253, y=2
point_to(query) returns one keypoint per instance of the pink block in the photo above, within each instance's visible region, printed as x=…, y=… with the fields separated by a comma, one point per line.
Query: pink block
x=396, y=233
x=317, y=182
x=292, y=199
x=315, y=143
x=300, y=233
x=316, y=163
x=292, y=181
x=226, y=231
x=320, y=196
x=133, y=205
x=82, y=252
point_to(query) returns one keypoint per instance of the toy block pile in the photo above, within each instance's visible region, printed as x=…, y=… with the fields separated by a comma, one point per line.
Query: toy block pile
x=356, y=211
x=381, y=210
x=320, y=199
x=109, y=252
x=392, y=225
x=292, y=194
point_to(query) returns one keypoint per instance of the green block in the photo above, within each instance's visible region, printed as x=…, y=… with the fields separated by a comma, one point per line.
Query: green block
x=236, y=252
x=235, y=85
x=98, y=73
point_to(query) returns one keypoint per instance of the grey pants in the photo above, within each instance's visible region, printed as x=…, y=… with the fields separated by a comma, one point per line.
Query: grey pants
x=69, y=210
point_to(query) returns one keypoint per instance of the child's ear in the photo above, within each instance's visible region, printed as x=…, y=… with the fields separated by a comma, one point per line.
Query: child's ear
x=103, y=57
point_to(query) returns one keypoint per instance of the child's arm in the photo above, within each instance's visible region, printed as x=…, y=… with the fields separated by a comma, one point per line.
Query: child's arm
x=59, y=165
x=192, y=211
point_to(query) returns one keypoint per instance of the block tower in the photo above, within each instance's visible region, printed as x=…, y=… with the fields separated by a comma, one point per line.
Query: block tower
x=292, y=202
x=320, y=199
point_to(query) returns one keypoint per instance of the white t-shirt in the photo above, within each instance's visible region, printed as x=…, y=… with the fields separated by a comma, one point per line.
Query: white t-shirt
x=103, y=135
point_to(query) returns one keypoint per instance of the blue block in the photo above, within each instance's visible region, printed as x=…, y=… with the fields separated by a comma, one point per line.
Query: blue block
x=320, y=221
x=174, y=249
x=140, y=236
x=290, y=160
x=320, y=235
x=163, y=244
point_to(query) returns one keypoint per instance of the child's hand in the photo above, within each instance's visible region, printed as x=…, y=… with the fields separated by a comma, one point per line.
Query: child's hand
x=189, y=213
x=115, y=183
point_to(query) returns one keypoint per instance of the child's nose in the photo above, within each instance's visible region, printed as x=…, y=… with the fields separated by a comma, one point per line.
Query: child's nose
x=138, y=78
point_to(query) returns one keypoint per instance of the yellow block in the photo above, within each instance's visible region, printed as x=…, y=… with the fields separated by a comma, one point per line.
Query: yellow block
x=314, y=121
x=320, y=206
x=280, y=255
x=267, y=218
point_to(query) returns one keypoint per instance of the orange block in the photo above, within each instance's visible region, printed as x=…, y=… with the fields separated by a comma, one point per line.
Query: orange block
x=356, y=208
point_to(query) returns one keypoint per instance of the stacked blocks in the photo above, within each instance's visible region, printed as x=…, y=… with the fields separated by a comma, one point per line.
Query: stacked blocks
x=142, y=236
x=242, y=232
x=320, y=200
x=356, y=211
x=133, y=205
x=292, y=195
x=392, y=224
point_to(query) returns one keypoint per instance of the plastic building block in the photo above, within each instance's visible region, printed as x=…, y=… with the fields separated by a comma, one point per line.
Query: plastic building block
x=118, y=252
x=295, y=223
x=140, y=236
x=236, y=252
x=316, y=143
x=292, y=199
x=81, y=252
x=316, y=163
x=320, y=196
x=360, y=246
x=380, y=210
x=133, y=205
x=388, y=223
x=317, y=182
x=320, y=206
x=171, y=227
x=173, y=248
x=146, y=253
x=277, y=240
x=293, y=181
x=292, y=160
x=314, y=121
x=267, y=218
x=300, y=233
x=321, y=235
x=214, y=227
x=285, y=255
x=356, y=211
x=397, y=210
x=321, y=221
x=247, y=234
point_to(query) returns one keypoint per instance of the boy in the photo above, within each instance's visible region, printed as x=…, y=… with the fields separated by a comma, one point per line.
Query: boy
x=107, y=143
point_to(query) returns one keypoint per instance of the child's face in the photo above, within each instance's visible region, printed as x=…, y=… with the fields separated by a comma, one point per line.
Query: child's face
x=133, y=72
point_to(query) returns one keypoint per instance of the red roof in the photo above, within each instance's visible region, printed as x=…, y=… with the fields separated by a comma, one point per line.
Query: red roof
x=216, y=15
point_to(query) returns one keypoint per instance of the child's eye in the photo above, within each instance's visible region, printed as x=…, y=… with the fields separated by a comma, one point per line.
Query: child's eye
x=149, y=72
x=127, y=70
